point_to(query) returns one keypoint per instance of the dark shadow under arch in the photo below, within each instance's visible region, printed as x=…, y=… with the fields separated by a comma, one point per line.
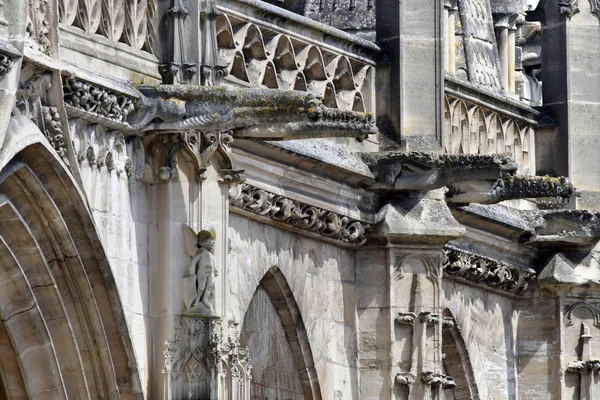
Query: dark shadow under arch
x=457, y=363
x=282, y=298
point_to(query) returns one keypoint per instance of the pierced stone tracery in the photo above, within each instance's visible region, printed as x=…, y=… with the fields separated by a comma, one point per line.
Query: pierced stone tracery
x=262, y=57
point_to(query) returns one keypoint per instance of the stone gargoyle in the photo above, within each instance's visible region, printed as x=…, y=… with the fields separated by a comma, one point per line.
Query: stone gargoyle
x=563, y=227
x=469, y=178
x=249, y=113
x=427, y=171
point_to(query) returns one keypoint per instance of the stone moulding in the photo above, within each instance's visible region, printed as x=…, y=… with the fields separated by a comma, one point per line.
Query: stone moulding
x=96, y=100
x=294, y=214
x=486, y=271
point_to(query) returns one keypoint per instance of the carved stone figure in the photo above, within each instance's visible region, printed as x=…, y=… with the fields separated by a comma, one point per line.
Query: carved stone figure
x=199, y=284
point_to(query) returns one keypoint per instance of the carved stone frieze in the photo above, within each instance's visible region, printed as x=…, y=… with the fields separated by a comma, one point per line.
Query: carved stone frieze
x=265, y=57
x=568, y=8
x=486, y=271
x=298, y=215
x=96, y=100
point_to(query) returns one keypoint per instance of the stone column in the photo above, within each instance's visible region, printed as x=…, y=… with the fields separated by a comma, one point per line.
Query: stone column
x=501, y=26
x=512, y=37
x=411, y=34
x=570, y=60
x=400, y=322
x=452, y=38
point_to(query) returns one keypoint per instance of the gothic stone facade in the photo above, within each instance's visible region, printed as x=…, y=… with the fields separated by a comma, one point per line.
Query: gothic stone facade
x=345, y=199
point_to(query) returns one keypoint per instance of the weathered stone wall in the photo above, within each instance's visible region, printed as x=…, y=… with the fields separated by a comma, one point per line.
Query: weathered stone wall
x=323, y=281
x=487, y=323
x=122, y=210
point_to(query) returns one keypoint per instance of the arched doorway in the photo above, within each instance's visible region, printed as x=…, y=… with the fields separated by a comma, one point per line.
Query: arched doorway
x=62, y=331
x=280, y=354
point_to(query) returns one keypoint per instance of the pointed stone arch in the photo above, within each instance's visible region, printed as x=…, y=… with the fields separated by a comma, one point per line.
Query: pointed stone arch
x=456, y=361
x=282, y=299
x=62, y=329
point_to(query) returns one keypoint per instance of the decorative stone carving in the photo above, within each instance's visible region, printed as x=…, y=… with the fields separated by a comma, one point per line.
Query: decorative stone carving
x=199, y=284
x=53, y=131
x=231, y=364
x=487, y=271
x=250, y=113
x=96, y=100
x=483, y=65
x=38, y=26
x=592, y=308
x=199, y=364
x=264, y=57
x=6, y=63
x=471, y=128
x=100, y=146
x=564, y=227
x=436, y=379
x=133, y=22
x=585, y=366
x=513, y=187
x=427, y=171
x=295, y=214
x=186, y=359
x=178, y=69
x=568, y=8
x=405, y=378
x=406, y=318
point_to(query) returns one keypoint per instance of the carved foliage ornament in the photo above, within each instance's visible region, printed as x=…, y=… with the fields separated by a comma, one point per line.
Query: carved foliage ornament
x=487, y=271
x=595, y=8
x=299, y=215
x=6, y=63
x=96, y=100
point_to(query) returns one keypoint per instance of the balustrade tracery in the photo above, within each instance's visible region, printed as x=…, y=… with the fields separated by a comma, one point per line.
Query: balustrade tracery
x=132, y=22
x=261, y=56
x=471, y=128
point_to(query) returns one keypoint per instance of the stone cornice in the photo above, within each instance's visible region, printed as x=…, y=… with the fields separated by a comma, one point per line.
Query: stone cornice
x=486, y=271
x=292, y=214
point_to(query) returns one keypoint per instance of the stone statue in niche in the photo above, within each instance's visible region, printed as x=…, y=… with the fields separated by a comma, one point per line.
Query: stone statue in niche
x=199, y=284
